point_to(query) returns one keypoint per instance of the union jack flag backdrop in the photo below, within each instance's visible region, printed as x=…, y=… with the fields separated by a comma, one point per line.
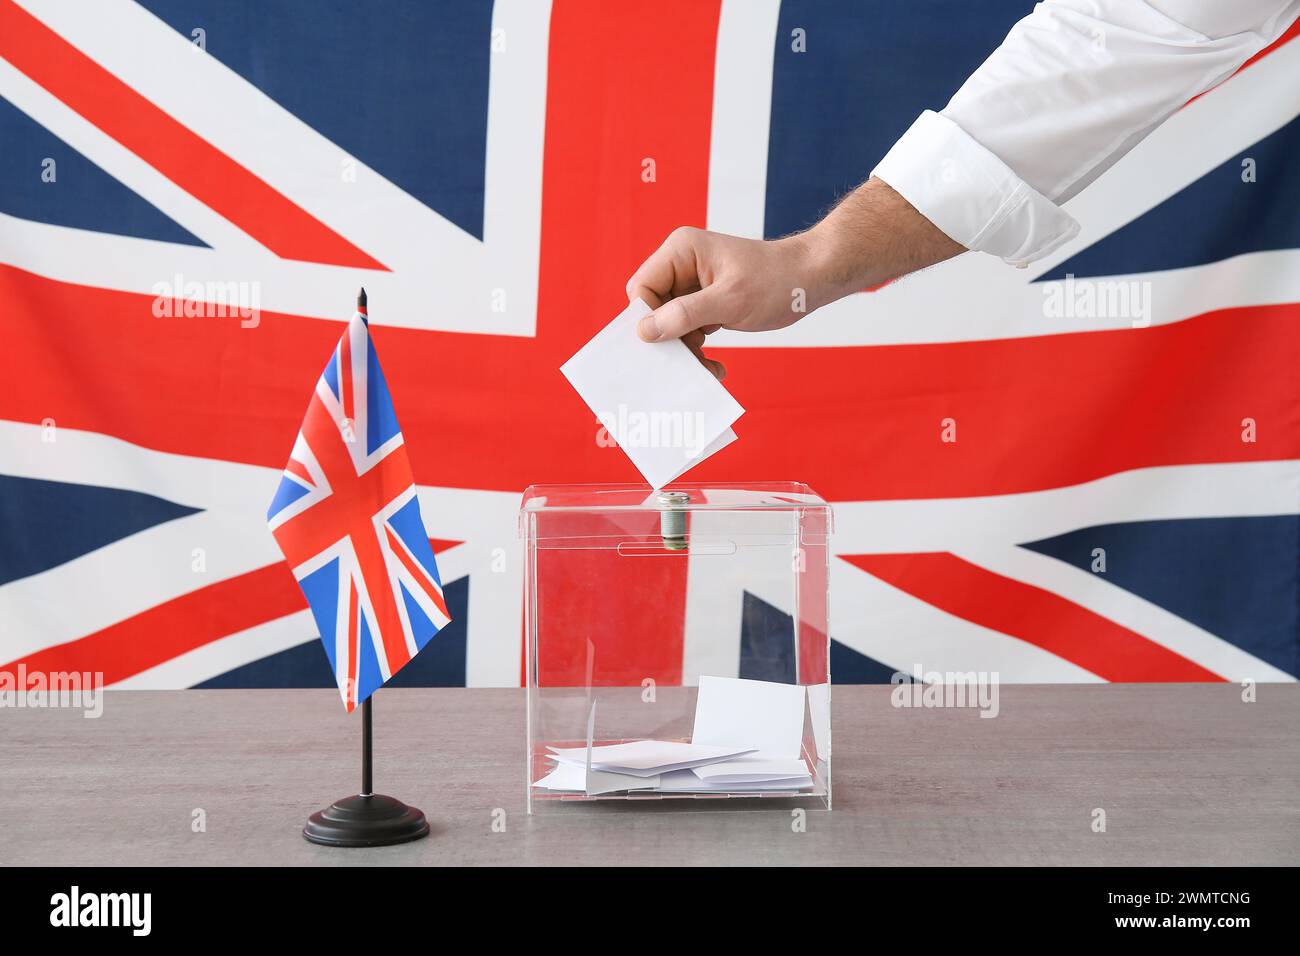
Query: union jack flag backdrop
x=478, y=167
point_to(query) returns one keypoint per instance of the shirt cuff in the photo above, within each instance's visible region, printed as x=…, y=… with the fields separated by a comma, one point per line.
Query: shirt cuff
x=970, y=194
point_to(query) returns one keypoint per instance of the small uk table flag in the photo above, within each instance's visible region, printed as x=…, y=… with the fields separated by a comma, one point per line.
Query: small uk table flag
x=347, y=518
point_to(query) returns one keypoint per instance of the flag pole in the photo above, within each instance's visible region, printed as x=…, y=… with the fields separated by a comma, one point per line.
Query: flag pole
x=367, y=748
x=367, y=742
x=368, y=818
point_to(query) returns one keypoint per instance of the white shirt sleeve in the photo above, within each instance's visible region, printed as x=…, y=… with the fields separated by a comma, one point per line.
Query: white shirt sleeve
x=1073, y=87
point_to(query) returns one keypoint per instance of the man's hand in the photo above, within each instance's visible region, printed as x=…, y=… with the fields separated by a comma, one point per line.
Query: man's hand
x=698, y=282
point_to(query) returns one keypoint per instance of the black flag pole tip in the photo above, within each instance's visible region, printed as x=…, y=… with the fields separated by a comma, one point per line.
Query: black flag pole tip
x=361, y=298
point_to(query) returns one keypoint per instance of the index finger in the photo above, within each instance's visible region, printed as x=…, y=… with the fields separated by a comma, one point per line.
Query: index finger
x=669, y=272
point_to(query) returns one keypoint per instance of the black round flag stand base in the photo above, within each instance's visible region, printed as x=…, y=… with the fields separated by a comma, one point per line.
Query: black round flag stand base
x=366, y=820
x=369, y=818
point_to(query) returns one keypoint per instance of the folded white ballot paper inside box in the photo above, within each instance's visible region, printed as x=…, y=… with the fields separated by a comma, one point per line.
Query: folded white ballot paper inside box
x=762, y=723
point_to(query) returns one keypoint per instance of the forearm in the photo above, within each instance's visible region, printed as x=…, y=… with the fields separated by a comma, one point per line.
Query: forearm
x=1074, y=86
x=699, y=281
x=872, y=236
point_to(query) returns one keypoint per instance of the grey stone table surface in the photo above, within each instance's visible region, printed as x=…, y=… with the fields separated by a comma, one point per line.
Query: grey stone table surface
x=1186, y=774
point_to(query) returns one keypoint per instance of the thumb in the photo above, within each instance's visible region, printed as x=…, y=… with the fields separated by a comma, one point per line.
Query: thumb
x=686, y=313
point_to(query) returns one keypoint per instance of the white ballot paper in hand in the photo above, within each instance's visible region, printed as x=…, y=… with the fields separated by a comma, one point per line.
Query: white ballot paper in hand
x=665, y=409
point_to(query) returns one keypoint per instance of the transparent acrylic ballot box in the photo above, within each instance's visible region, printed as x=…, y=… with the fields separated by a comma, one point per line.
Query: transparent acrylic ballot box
x=632, y=595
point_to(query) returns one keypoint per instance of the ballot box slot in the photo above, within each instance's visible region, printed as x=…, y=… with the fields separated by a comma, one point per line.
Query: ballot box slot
x=637, y=549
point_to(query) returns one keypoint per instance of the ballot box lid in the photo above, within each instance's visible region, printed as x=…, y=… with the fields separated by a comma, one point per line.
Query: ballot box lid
x=723, y=496
x=706, y=514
